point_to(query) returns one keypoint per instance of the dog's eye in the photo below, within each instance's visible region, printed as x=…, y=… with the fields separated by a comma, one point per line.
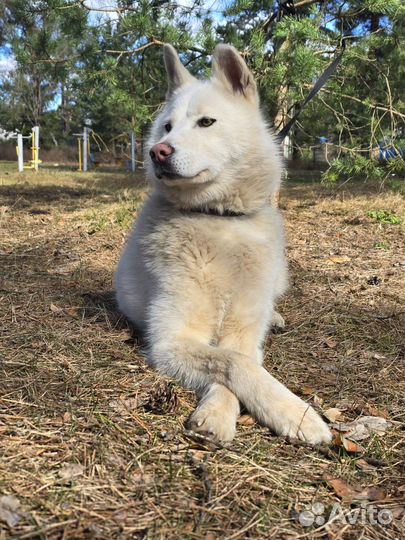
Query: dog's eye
x=205, y=121
x=168, y=127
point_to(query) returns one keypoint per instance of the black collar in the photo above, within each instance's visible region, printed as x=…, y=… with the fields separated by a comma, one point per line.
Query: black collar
x=215, y=212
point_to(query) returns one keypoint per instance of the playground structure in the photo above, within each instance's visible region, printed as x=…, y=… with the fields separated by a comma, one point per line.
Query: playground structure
x=89, y=148
x=87, y=158
x=34, y=161
x=83, y=148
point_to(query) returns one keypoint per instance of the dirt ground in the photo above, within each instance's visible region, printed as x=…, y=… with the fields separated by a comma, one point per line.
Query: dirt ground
x=92, y=443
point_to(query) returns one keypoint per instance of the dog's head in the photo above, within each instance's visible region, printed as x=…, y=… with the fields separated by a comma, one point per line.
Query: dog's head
x=210, y=145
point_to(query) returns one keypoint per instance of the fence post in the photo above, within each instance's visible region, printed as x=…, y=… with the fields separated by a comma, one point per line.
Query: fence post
x=133, y=152
x=20, y=152
x=85, y=147
x=35, y=147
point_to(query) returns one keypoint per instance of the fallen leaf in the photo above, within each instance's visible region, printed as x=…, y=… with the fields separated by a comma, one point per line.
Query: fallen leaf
x=10, y=510
x=397, y=512
x=55, y=309
x=374, y=411
x=333, y=414
x=349, y=493
x=142, y=478
x=357, y=432
x=307, y=390
x=318, y=400
x=68, y=472
x=363, y=427
x=67, y=417
x=246, y=420
x=339, y=259
x=342, y=489
x=378, y=356
x=72, y=312
x=375, y=424
x=370, y=494
x=124, y=406
x=364, y=465
x=331, y=342
x=350, y=446
x=198, y=454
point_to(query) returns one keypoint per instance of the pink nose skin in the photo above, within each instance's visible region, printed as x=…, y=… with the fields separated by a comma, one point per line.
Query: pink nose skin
x=160, y=152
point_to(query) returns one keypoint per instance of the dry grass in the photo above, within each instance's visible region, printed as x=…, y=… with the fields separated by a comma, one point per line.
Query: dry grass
x=89, y=444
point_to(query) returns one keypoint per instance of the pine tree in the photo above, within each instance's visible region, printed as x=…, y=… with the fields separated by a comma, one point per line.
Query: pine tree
x=75, y=63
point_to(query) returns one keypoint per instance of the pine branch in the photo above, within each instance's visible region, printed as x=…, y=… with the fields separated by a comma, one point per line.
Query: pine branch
x=391, y=110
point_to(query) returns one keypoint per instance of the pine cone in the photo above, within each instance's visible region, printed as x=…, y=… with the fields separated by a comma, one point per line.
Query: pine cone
x=163, y=398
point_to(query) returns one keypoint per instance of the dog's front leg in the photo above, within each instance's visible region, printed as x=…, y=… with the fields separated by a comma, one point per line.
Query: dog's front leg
x=219, y=408
x=198, y=365
x=216, y=414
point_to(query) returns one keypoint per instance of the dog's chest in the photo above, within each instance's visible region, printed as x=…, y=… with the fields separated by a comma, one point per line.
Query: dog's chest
x=215, y=252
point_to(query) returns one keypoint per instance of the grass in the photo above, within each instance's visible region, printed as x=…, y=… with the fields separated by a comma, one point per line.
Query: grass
x=383, y=245
x=385, y=216
x=92, y=440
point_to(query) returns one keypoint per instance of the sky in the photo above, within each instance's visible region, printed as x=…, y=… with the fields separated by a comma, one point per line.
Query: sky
x=7, y=62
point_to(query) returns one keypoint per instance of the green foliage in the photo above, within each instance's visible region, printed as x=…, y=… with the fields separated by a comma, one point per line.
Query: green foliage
x=97, y=221
x=382, y=7
x=353, y=167
x=124, y=215
x=384, y=245
x=298, y=30
x=384, y=216
x=360, y=167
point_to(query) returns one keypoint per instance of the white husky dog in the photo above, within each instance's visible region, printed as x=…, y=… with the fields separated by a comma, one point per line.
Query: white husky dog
x=205, y=263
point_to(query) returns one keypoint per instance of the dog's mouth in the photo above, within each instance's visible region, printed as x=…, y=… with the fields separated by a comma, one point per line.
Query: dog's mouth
x=162, y=173
x=171, y=178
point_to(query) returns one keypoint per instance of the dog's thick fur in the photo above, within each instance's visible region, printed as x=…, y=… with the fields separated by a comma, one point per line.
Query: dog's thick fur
x=205, y=263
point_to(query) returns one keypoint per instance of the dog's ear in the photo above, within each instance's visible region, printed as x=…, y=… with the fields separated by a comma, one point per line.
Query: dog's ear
x=230, y=69
x=177, y=74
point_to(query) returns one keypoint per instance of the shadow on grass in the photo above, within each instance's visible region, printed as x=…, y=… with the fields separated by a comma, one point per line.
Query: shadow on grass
x=70, y=197
x=299, y=187
x=105, y=302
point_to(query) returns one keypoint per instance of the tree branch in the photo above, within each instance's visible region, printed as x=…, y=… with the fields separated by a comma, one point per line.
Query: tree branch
x=298, y=5
x=118, y=52
x=358, y=100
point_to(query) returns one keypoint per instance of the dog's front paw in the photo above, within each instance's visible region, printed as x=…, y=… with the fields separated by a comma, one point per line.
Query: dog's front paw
x=277, y=321
x=302, y=422
x=213, y=423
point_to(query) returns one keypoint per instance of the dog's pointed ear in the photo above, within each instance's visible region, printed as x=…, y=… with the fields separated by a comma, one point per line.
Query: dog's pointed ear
x=230, y=69
x=177, y=74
